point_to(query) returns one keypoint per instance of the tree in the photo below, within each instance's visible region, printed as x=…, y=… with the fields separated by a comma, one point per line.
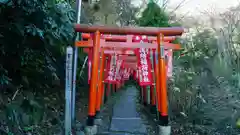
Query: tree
x=111, y=12
x=33, y=38
x=154, y=16
x=126, y=12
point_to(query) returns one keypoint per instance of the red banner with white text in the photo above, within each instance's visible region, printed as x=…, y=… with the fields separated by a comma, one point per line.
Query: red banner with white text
x=111, y=69
x=144, y=65
x=168, y=57
x=144, y=62
x=118, y=70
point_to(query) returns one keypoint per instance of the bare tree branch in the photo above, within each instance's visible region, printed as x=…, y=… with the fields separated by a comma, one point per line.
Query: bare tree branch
x=178, y=6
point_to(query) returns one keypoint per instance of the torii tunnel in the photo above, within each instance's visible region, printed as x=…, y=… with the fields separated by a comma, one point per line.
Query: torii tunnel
x=116, y=53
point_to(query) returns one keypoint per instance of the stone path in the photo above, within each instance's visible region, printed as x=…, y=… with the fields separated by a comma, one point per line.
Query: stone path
x=126, y=120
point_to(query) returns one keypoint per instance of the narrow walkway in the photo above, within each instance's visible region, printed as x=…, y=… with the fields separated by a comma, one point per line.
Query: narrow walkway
x=126, y=120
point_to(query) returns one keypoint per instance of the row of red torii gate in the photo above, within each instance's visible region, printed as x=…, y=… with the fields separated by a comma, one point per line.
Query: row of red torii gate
x=116, y=53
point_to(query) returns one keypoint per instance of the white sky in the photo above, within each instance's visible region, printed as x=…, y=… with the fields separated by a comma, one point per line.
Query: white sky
x=194, y=7
x=197, y=6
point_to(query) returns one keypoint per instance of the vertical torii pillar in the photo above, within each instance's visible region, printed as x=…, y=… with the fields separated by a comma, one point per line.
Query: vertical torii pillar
x=100, y=87
x=91, y=128
x=164, y=128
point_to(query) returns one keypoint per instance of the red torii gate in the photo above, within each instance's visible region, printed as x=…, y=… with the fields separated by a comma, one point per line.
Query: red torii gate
x=107, y=43
x=114, y=39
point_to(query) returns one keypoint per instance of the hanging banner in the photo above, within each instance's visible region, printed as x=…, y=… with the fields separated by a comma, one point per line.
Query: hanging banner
x=111, y=69
x=117, y=71
x=126, y=73
x=144, y=63
x=121, y=72
x=168, y=57
x=107, y=68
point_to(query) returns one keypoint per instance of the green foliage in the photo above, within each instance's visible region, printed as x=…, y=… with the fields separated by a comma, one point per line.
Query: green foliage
x=193, y=68
x=24, y=115
x=198, y=52
x=29, y=43
x=204, y=73
x=33, y=38
x=154, y=16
